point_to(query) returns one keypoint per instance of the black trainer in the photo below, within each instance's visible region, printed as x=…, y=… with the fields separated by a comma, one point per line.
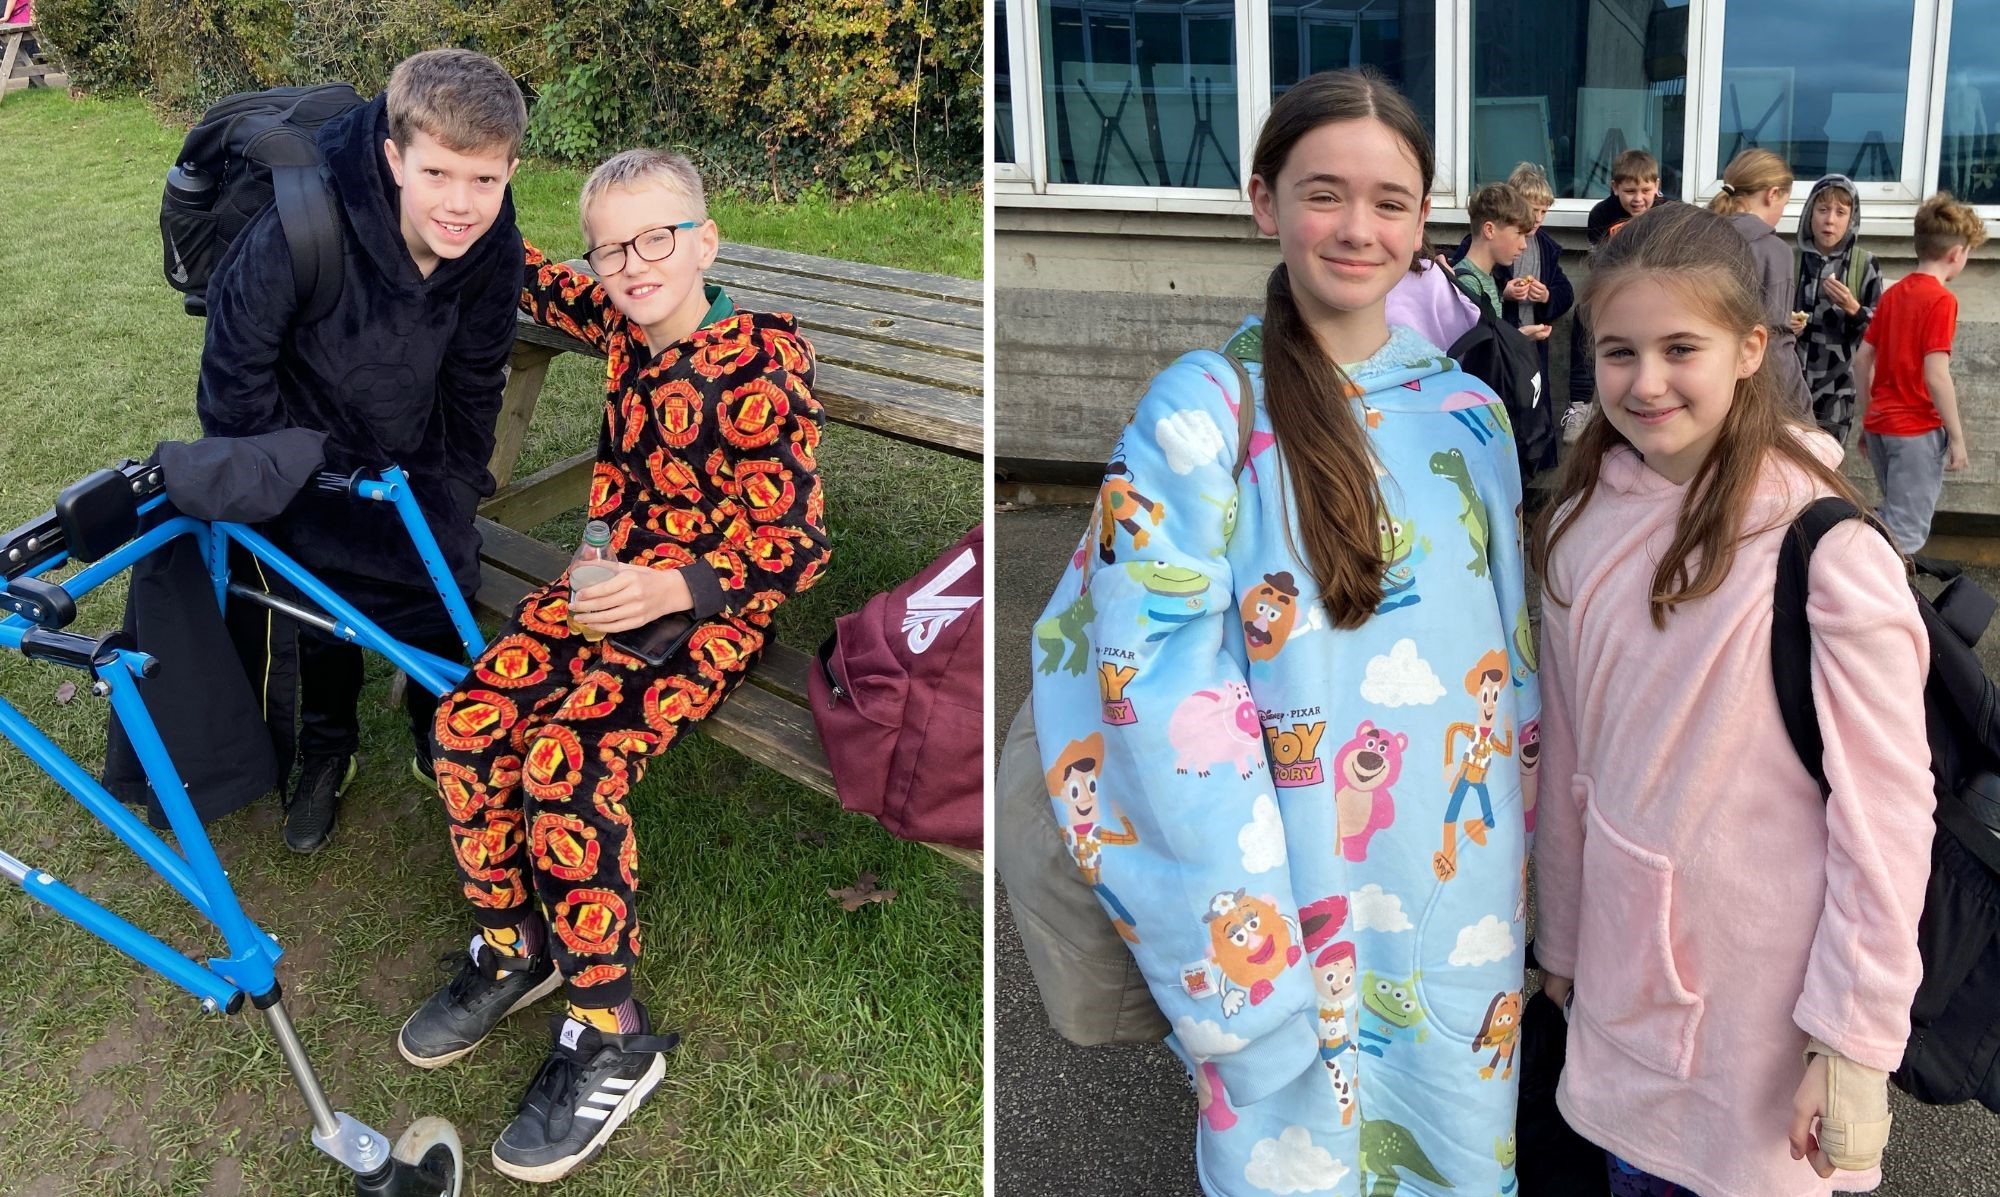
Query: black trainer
x=589, y=1085
x=487, y=988
x=314, y=806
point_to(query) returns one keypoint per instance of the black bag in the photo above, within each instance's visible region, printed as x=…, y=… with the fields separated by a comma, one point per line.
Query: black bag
x=1495, y=352
x=250, y=150
x=1954, y=1049
x=1553, y=1160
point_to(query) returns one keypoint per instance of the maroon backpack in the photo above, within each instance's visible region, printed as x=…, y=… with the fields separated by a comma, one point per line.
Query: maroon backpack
x=899, y=697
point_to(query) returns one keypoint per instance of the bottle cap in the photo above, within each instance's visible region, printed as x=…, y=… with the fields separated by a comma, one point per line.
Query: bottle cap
x=597, y=532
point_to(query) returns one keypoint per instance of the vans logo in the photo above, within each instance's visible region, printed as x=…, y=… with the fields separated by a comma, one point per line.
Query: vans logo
x=930, y=610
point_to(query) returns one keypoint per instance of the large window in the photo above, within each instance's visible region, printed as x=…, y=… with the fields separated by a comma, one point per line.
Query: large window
x=1572, y=84
x=1826, y=88
x=1140, y=93
x=1398, y=38
x=1969, y=154
x=1003, y=87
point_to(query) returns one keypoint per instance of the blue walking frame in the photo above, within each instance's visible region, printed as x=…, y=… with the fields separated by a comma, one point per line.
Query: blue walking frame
x=40, y=609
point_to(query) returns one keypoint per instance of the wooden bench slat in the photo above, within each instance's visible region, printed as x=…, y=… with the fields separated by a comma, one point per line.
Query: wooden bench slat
x=899, y=361
x=936, y=286
x=544, y=494
x=926, y=415
x=930, y=416
x=867, y=299
x=814, y=319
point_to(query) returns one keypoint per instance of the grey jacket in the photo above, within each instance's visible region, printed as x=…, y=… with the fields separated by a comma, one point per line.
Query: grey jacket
x=1775, y=268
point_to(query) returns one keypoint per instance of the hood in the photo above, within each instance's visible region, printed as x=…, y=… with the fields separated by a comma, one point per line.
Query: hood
x=359, y=174
x=1804, y=236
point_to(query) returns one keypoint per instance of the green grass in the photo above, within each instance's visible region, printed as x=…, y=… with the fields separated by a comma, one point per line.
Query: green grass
x=825, y=1052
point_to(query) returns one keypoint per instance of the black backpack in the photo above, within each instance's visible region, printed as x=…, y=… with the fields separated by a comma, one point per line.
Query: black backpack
x=250, y=150
x=1954, y=1049
x=1495, y=352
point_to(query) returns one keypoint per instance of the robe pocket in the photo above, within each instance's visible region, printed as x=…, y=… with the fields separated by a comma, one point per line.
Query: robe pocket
x=1628, y=988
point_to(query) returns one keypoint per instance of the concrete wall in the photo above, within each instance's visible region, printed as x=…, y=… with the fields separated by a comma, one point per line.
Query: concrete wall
x=1089, y=305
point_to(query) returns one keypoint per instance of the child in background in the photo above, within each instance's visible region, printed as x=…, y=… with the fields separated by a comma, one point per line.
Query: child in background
x=1701, y=1058
x=1910, y=425
x=1367, y=551
x=1500, y=223
x=1839, y=284
x=1755, y=186
x=1635, y=187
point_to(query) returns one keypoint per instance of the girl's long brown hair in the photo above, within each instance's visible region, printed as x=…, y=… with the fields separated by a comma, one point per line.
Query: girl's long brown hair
x=1751, y=172
x=1701, y=258
x=1325, y=451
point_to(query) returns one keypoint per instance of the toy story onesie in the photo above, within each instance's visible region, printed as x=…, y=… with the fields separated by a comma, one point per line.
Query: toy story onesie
x=705, y=464
x=1262, y=792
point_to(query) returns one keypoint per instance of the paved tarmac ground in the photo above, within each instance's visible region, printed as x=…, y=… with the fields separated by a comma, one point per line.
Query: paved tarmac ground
x=1109, y=1122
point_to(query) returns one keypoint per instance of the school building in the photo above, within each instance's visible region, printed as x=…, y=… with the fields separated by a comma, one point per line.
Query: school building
x=1121, y=127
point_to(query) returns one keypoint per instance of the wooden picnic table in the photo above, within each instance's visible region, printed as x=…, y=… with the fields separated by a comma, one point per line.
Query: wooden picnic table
x=899, y=352
x=11, y=35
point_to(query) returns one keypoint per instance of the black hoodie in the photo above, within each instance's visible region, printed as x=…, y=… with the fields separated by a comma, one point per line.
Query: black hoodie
x=405, y=370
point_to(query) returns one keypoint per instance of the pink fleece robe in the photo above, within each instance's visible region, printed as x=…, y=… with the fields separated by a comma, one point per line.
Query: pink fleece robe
x=1712, y=909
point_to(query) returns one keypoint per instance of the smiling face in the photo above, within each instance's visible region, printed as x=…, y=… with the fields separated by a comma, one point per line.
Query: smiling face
x=448, y=199
x=1667, y=373
x=1079, y=793
x=665, y=298
x=1348, y=210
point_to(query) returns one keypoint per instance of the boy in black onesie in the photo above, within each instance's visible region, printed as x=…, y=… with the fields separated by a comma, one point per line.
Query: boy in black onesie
x=406, y=370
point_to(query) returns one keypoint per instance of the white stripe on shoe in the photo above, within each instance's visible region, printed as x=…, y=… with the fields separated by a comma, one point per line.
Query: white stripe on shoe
x=643, y=1087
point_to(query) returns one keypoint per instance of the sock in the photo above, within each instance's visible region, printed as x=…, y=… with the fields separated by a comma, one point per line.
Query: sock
x=522, y=939
x=622, y=1019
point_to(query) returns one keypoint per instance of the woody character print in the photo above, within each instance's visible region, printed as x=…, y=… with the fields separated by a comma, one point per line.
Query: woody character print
x=705, y=464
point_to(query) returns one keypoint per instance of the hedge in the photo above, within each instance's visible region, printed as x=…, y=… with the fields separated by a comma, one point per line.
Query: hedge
x=840, y=95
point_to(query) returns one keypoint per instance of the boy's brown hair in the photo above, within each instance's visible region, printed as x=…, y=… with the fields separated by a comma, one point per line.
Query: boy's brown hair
x=1634, y=166
x=1943, y=224
x=1501, y=204
x=461, y=98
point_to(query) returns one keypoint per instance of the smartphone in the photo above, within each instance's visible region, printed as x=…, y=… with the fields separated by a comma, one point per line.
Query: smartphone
x=656, y=641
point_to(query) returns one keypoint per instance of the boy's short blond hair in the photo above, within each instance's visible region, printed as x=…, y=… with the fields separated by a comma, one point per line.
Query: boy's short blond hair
x=461, y=98
x=636, y=168
x=1943, y=224
x=1501, y=204
x=1529, y=179
x=1634, y=166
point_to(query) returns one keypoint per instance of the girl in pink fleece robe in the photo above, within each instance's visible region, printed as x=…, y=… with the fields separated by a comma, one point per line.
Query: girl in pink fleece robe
x=1716, y=914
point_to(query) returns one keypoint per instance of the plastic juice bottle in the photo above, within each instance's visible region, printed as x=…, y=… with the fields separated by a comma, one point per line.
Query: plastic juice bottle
x=589, y=567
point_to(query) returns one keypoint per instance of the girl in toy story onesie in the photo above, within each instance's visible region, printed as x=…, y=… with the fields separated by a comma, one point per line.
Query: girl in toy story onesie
x=1743, y=948
x=705, y=474
x=1326, y=1002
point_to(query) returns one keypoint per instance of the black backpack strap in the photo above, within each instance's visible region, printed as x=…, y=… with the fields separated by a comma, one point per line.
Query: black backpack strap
x=1791, y=633
x=310, y=221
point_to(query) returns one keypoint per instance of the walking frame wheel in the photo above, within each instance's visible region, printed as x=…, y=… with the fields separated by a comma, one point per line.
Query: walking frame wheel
x=428, y=1161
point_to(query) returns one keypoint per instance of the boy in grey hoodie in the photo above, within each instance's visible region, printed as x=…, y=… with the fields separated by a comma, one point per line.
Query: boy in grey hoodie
x=1838, y=286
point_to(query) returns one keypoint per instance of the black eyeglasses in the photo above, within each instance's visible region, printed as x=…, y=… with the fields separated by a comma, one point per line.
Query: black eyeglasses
x=653, y=245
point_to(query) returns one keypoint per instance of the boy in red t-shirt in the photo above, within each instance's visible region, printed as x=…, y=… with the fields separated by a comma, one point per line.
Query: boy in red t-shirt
x=1902, y=375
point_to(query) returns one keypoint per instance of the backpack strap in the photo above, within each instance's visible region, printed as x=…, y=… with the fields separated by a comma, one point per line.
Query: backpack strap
x=307, y=214
x=1246, y=415
x=1857, y=272
x=1791, y=632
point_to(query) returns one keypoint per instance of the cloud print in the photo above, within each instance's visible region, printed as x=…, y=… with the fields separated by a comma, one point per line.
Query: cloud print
x=1291, y=1164
x=1374, y=909
x=1401, y=679
x=1483, y=942
x=1263, y=837
x=1206, y=1039
x=1189, y=439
